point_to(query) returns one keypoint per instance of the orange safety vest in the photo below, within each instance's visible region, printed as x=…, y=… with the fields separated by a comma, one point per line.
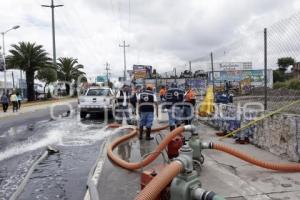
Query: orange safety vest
x=162, y=92
x=190, y=96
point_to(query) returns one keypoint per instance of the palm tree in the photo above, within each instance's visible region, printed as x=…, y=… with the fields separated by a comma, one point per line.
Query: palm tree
x=69, y=70
x=28, y=57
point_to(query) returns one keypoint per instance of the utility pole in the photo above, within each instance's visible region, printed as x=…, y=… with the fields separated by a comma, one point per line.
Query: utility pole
x=265, y=71
x=4, y=63
x=190, y=66
x=13, y=79
x=3, y=47
x=52, y=6
x=174, y=69
x=107, y=72
x=124, y=49
x=212, y=70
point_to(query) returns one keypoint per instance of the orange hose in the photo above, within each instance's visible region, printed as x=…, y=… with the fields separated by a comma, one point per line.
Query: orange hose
x=153, y=130
x=160, y=182
x=286, y=167
x=149, y=158
x=113, y=125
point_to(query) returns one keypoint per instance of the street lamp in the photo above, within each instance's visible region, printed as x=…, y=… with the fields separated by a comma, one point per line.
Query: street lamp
x=3, y=48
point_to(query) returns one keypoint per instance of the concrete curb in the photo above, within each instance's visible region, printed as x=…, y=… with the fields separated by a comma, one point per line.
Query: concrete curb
x=95, y=173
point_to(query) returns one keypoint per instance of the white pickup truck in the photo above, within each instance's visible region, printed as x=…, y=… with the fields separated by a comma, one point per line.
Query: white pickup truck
x=96, y=100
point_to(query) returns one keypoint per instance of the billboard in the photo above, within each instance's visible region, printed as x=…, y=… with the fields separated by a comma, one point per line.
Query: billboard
x=228, y=66
x=101, y=79
x=142, y=71
x=256, y=76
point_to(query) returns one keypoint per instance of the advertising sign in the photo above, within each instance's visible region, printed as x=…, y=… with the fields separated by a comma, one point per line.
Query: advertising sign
x=255, y=76
x=142, y=71
x=228, y=66
x=101, y=79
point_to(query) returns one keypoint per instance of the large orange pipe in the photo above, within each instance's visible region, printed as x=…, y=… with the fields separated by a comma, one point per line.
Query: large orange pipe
x=160, y=182
x=285, y=167
x=153, y=130
x=113, y=126
x=132, y=166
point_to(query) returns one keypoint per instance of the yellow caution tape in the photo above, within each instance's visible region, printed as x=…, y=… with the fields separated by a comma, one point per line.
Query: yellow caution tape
x=259, y=119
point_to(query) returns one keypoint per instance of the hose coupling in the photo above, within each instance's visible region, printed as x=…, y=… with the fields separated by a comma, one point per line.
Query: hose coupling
x=206, y=145
x=190, y=128
x=201, y=194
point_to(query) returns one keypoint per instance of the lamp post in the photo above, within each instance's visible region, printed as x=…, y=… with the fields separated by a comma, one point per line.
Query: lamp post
x=3, y=48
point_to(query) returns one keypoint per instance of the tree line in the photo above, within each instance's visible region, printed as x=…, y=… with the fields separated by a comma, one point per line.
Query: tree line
x=34, y=60
x=286, y=80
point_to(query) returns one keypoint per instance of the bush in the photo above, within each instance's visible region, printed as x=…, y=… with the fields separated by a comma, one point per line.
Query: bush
x=294, y=84
x=278, y=76
x=279, y=85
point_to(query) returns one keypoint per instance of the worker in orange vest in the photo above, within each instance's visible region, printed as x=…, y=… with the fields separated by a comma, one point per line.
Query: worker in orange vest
x=190, y=102
x=162, y=93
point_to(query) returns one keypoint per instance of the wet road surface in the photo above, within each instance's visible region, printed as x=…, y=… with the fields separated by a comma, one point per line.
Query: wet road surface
x=117, y=183
x=59, y=176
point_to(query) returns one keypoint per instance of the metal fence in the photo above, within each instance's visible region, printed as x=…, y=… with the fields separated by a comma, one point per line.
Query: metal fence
x=251, y=64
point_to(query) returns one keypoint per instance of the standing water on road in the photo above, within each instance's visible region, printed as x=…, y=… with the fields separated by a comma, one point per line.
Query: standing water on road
x=59, y=176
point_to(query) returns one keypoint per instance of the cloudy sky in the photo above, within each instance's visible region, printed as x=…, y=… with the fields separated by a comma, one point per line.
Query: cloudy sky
x=161, y=33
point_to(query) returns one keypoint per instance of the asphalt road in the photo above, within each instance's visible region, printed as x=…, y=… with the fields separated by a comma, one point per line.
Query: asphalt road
x=24, y=138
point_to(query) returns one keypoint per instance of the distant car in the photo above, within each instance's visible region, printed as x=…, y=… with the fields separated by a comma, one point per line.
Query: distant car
x=96, y=100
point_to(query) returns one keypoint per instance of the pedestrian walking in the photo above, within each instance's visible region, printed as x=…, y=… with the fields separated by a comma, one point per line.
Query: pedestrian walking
x=123, y=99
x=19, y=98
x=14, y=100
x=5, y=102
x=146, y=102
